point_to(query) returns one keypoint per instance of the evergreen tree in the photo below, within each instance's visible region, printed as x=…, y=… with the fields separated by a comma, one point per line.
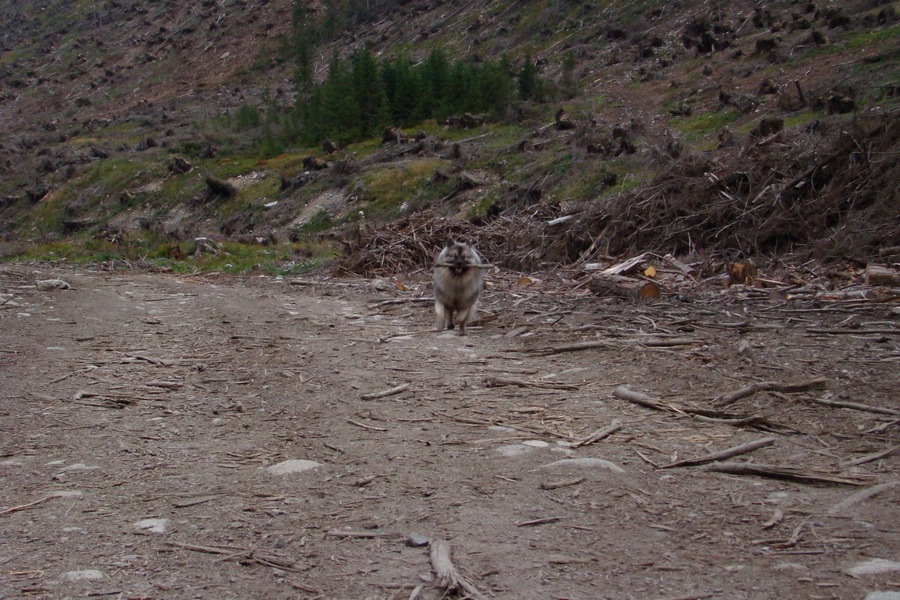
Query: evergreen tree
x=368, y=94
x=529, y=82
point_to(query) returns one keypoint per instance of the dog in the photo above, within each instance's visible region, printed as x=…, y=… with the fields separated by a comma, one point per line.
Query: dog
x=457, y=284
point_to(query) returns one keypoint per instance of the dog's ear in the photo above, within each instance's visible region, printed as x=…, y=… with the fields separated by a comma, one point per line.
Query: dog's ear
x=450, y=243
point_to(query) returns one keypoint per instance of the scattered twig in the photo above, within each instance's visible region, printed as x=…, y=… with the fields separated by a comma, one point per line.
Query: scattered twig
x=555, y=485
x=861, y=496
x=728, y=453
x=364, y=426
x=543, y=521
x=770, y=386
x=598, y=435
x=871, y=457
x=781, y=472
x=384, y=394
x=549, y=385
x=856, y=406
x=448, y=577
x=363, y=534
x=230, y=553
x=623, y=392
x=25, y=506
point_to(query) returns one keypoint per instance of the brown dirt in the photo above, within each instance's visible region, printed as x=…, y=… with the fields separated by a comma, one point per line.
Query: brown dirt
x=181, y=390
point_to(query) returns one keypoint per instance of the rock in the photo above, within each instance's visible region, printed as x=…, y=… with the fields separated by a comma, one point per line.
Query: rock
x=292, y=466
x=597, y=463
x=883, y=596
x=417, y=540
x=876, y=566
x=536, y=443
x=65, y=494
x=85, y=575
x=46, y=285
x=153, y=525
x=514, y=450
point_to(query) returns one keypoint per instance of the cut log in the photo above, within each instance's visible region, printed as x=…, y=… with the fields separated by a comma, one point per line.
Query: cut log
x=882, y=275
x=625, y=287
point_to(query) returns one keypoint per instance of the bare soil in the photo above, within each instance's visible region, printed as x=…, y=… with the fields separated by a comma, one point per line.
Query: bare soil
x=140, y=396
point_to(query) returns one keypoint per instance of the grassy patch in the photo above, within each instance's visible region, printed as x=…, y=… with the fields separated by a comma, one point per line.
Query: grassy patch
x=697, y=126
x=388, y=188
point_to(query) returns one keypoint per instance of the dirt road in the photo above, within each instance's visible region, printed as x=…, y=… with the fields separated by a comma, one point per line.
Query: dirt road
x=147, y=421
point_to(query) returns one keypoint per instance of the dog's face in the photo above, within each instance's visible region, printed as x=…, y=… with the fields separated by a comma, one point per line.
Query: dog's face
x=459, y=257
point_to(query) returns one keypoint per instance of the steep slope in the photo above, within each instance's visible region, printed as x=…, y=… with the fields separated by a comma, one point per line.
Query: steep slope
x=731, y=103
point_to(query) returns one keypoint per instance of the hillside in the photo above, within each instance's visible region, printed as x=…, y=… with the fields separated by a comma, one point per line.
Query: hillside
x=132, y=128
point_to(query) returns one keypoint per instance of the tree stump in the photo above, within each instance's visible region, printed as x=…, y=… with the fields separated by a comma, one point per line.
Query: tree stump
x=624, y=287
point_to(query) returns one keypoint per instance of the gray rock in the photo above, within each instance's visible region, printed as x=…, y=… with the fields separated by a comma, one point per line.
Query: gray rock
x=85, y=575
x=153, y=525
x=876, y=566
x=46, y=285
x=597, y=463
x=883, y=596
x=417, y=540
x=292, y=466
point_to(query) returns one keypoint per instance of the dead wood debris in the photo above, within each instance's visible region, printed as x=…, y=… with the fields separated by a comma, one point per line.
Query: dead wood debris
x=783, y=472
x=449, y=578
x=742, y=449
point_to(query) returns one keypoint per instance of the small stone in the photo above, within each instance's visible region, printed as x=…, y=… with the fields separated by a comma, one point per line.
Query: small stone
x=536, y=443
x=417, y=540
x=153, y=525
x=45, y=285
x=743, y=348
x=514, y=450
x=65, y=494
x=585, y=462
x=85, y=575
x=876, y=566
x=80, y=467
x=292, y=466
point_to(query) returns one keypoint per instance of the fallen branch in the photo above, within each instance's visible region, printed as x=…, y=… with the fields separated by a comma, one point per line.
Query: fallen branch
x=737, y=450
x=625, y=393
x=543, y=521
x=770, y=386
x=856, y=406
x=448, y=577
x=870, y=457
x=384, y=394
x=598, y=435
x=579, y=346
x=555, y=485
x=861, y=496
x=781, y=472
x=548, y=385
x=230, y=553
x=363, y=534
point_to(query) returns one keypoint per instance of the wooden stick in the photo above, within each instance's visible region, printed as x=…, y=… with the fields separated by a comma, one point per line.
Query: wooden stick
x=623, y=392
x=363, y=534
x=599, y=434
x=870, y=457
x=501, y=381
x=781, y=472
x=448, y=576
x=364, y=426
x=543, y=521
x=856, y=406
x=861, y=496
x=467, y=266
x=735, y=451
x=579, y=346
x=770, y=386
x=25, y=506
x=389, y=392
x=555, y=485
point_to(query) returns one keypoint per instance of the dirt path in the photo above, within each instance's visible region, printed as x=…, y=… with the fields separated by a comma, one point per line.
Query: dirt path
x=141, y=413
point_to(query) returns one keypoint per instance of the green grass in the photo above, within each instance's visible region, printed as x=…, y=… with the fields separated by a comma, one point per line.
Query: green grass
x=697, y=126
x=388, y=188
x=230, y=257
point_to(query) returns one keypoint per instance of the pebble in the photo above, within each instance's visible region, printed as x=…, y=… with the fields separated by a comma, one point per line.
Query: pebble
x=876, y=566
x=883, y=596
x=417, y=540
x=585, y=462
x=292, y=466
x=153, y=525
x=85, y=575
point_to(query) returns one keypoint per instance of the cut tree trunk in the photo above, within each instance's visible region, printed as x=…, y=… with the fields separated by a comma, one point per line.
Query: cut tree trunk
x=882, y=275
x=604, y=284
